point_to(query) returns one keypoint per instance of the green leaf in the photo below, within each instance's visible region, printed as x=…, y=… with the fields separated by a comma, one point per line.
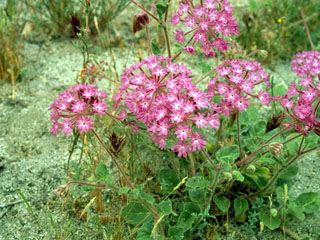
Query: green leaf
x=258, y=128
x=88, y=188
x=228, y=154
x=310, y=201
x=204, y=67
x=292, y=146
x=253, y=5
x=147, y=197
x=258, y=181
x=253, y=113
x=266, y=160
x=272, y=222
x=164, y=208
x=186, y=220
x=170, y=143
x=197, y=195
x=136, y=213
x=124, y=190
x=296, y=211
x=192, y=207
x=249, y=144
x=161, y=8
x=279, y=90
x=134, y=194
x=312, y=140
x=145, y=232
x=223, y=203
x=240, y=205
x=102, y=172
x=289, y=173
x=168, y=179
x=238, y=176
x=197, y=182
x=155, y=48
x=176, y=233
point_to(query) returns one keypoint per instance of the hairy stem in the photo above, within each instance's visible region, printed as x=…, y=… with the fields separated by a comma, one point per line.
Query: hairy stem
x=114, y=160
x=145, y=10
x=210, y=160
x=148, y=40
x=307, y=28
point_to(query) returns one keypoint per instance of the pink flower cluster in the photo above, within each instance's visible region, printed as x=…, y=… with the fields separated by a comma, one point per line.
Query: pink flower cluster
x=301, y=102
x=162, y=96
x=75, y=106
x=209, y=23
x=235, y=81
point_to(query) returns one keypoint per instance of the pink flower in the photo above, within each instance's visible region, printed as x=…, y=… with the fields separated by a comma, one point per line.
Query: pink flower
x=200, y=121
x=242, y=104
x=189, y=49
x=182, y=149
x=99, y=107
x=208, y=24
x=55, y=128
x=79, y=106
x=213, y=121
x=179, y=36
x=166, y=102
x=235, y=82
x=75, y=106
x=197, y=142
x=264, y=97
x=301, y=103
x=84, y=124
x=182, y=132
x=67, y=126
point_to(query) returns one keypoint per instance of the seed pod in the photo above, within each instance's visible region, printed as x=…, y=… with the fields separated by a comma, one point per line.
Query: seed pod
x=274, y=122
x=317, y=130
x=139, y=21
x=62, y=191
x=276, y=148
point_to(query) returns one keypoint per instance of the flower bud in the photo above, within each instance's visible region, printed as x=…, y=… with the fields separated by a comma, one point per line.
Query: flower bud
x=251, y=169
x=227, y=176
x=273, y=212
x=317, y=130
x=276, y=148
x=139, y=21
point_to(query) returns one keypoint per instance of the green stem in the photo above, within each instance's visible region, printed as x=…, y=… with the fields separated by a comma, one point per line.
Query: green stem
x=261, y=147
x=210, y=161
x=307, y=28
x=167, y=39
x=148, y=40
x=204, y=76
x=238, y=133
x=145, y=10
x=114, y=160
x=150, y=208
x=300, y=146
x=212, y=188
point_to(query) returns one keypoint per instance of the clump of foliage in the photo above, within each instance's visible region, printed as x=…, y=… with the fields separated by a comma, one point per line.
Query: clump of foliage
x=230, y=146
x=10, y=62
x=277, y=27
x=70, y=16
